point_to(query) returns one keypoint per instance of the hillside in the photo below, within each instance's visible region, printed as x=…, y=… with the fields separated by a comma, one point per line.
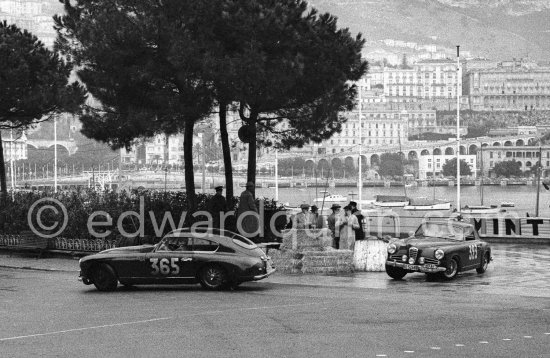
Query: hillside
x=495, y=29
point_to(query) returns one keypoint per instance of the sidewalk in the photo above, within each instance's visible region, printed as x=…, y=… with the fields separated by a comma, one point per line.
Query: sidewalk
x=48, y=263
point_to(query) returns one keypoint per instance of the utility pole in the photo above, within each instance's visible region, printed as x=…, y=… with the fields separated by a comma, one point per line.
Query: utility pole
x=55, y=155
x=539, y=172
x=360, y=149
x=458, y=80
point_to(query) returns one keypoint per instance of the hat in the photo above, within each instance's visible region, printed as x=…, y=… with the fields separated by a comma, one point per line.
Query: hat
x=352, y=203
x=250, y=184
x=304, y=206
x=347, y=207
x=335, y=206
x=218, y=188
x=314, y=207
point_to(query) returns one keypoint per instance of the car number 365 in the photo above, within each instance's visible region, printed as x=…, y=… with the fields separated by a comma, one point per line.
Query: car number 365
x=166, y=266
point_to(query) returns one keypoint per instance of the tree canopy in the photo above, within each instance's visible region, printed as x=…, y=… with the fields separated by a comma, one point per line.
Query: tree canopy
x=508, y=168
x=391, y=164
x=449, y=168
x=34, y=84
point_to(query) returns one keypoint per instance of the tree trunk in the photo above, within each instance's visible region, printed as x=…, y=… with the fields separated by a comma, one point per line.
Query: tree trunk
x=226, y=150
x=3, y=186
x=251, y=170
x=188, y=162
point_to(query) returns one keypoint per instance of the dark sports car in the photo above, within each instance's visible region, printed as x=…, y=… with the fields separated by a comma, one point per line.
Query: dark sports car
x=444, y=248
x=214, y=258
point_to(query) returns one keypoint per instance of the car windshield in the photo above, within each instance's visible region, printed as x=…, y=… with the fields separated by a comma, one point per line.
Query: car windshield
x=444, y=230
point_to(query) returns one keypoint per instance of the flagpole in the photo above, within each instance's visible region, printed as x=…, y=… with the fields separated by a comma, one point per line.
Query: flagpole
x=458, y=79
x=360, y=150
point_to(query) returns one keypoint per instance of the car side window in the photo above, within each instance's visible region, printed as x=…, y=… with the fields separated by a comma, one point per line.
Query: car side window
x=175, y=243
x=204, y=245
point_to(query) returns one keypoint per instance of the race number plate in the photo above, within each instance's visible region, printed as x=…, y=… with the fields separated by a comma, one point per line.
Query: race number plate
x=411, y=267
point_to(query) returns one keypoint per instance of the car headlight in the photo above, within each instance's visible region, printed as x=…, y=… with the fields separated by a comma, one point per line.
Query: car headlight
x=439, y=254
x=392, y=249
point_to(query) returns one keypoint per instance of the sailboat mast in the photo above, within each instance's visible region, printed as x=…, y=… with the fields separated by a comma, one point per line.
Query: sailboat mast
x=539, y=170
x=481, y=172
x=458, y=79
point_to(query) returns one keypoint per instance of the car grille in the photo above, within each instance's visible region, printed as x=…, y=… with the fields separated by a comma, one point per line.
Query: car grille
x=396, y=257
x=431, y=261
x=413, y=252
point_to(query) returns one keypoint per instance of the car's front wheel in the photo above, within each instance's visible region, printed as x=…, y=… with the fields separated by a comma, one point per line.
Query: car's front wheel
x=451, y=269
x=213, y=277
x=484, y=263
x=104, y=278
x=397, y=273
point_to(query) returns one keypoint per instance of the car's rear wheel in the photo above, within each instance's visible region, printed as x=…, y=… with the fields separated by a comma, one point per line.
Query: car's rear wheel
x=104, y=278
x=484, y=263
x=451, y=269
x=397, y=273
x=213, y=277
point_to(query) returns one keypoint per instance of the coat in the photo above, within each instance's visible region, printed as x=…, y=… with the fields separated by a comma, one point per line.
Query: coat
x=217, y=206
x=250, y=224
x=359, y=233
x=347, y=232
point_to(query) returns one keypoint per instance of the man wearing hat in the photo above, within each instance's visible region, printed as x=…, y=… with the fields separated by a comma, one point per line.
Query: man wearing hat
x=217, y=206
x=316, y=221
x=302, y=219
x=333, y=223
x=250, y=223
x=359, y=233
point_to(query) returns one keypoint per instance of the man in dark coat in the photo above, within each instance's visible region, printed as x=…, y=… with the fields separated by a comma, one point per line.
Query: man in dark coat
x=359, y=233
x=217, y=207
x=249, y=224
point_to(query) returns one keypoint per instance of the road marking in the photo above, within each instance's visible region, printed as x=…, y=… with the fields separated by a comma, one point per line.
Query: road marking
x=409, y=351
x=506, y=339
x=153, y=320
x=527, y=336
x=435, y=348
x=381, y=355
x=547, y=333
x=483, y=342
x=84, y=329
x=459, y=345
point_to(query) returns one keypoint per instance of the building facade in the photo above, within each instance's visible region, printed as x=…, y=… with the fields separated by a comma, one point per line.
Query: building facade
x=15, y=147
x=431, y=166
x=527, y=156
x=511, y=86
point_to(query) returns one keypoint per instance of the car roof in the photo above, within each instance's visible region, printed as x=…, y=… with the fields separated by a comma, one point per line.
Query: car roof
x=204, y=230
x=454, y=222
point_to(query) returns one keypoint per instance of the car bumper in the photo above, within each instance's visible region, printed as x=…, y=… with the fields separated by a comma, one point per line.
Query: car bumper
x=84, y=280
x=418, y=268
x=261, y=277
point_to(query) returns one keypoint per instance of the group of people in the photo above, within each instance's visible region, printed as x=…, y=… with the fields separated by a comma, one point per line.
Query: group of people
x=346, y=225
x=249, y=224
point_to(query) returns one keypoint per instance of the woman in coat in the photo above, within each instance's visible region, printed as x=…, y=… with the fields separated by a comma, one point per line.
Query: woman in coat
x=348, y=225
x=250, y=224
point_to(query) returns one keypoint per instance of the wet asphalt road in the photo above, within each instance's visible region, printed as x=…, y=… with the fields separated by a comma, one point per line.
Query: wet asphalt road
x=503, y=313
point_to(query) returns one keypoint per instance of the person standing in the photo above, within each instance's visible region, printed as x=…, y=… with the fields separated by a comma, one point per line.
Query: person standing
x=316, y=220
x=303, y=218
x=359, y=233
x=347, y=231
x=217, y=207
x=333, y=223
x=249, y=223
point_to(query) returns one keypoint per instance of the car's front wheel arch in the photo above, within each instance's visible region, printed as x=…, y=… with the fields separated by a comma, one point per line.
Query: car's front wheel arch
x=104, y=277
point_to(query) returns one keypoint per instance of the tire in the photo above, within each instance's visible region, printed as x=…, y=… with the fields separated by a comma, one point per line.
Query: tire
x=213, y=277
x=452, y=269
x=397, y=273
x=104, y=278
x=484, y=263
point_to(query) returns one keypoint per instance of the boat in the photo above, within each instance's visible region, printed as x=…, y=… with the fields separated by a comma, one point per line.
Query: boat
x=419, y=204
x=331, y=198
x=507, y=204
x=480, y=209
x=390, y=201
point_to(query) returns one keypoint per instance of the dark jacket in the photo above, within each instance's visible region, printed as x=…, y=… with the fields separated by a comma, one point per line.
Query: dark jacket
x=359, y=233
